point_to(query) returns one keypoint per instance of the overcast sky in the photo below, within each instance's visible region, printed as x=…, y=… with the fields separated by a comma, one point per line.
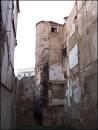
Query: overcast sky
x=32, y=12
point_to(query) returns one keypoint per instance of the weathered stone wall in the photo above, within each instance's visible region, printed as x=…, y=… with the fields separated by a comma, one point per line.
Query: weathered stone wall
x=6, y=105
x=74, y=47
x=24, y=109
x=52, y=117
x=56, y=45
x=49, y=47
x=45, y=39
x=7, y=77
x=42, y=41
x=81, y=27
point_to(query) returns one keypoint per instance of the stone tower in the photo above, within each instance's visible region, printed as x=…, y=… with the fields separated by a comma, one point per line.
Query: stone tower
x=49, y=76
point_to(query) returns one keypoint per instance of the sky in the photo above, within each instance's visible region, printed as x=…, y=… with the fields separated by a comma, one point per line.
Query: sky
x=32, y=12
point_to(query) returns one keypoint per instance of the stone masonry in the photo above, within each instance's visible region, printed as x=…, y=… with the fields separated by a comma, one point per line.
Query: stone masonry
x=8, y=25
x=66, y=68
x=81, y=40
x=49, y=77
x=24, y=107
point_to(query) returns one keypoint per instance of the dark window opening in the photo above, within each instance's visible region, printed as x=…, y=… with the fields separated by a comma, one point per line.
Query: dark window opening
x=65, y=75
x=75, y=17
x=53, y=29
x=64, y=53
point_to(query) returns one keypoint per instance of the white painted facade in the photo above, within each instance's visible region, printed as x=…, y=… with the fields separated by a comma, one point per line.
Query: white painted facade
x=55, y=72
x=27, y=72
x=73, y=57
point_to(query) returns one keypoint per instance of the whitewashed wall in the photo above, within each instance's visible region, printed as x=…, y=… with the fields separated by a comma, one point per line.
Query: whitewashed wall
x=55, y=72
x=73, y=57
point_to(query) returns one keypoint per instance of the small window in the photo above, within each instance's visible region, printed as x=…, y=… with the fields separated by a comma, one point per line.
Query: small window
x=64, y=53
x=53, y=29
x=75, y=17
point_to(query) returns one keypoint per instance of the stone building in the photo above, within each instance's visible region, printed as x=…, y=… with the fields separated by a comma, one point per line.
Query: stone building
x=26, y=72
x=24, y=102
x=81, y=41
x=66, y=68
x=8, y=24
x=49, y=77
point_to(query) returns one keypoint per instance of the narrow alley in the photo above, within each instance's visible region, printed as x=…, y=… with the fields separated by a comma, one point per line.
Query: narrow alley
x=60, y=92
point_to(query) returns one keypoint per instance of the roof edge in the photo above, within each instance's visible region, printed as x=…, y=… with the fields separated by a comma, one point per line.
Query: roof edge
x=52, y=22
